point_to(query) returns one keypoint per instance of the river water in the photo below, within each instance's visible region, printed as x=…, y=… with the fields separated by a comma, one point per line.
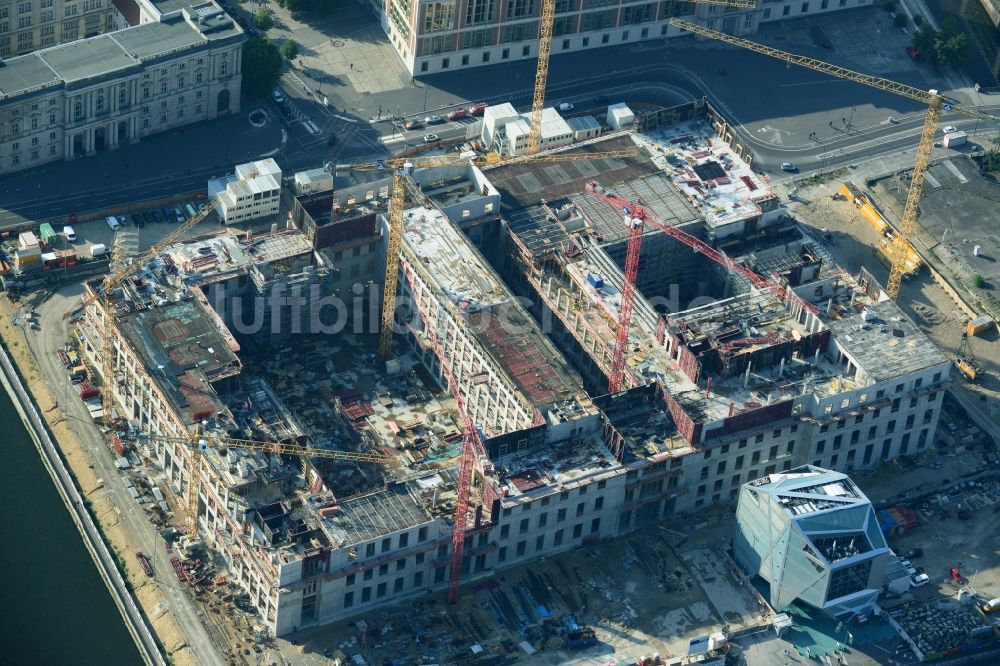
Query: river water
x=54, y=607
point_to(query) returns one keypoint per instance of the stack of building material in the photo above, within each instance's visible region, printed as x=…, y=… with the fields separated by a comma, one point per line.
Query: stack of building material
x=28, y=256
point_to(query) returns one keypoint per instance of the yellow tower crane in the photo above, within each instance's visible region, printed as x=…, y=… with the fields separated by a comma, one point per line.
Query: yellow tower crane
x=936, y=104
x=545, y=50
x=112, y=282
x=199, y=443
x=401, y=168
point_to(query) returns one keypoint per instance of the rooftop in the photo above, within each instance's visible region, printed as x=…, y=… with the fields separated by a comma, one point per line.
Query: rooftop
x=374, y=514
x=184, y=350
x=505, y=329
x=657, y=194
x=706, y=170
x=110, y=53
x=883, y=342
x=555, y=467
x=526, y=184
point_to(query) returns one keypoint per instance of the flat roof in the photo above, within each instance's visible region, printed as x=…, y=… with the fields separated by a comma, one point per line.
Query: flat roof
x=555, y=466
x=526, y=184
x=657, y=194
x=885, y=343
x=374, y=514
x=182, y=349
x=88, y=58
x=113, y=52
x=26, y=73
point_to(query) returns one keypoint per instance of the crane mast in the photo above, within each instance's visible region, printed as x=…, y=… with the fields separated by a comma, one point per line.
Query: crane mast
x=635, y=228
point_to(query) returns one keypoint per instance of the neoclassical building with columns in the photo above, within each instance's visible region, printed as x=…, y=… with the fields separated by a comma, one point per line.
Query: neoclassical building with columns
x=96, y=94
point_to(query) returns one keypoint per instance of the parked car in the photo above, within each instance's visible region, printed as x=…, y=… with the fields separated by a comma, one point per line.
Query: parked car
x=788, y=166
x=457, y=114
x=913, y=553
x=948, y=129
x=137, y=220
x=565, y=106
x=168, y=215
x=476, y=109
x=277, y=95
x=156, y=215
x=178, y=214
x=412, y=124
x=113, y=222
x=919, y=580
x=431, y=138
x=433, y=120
x=69, y=233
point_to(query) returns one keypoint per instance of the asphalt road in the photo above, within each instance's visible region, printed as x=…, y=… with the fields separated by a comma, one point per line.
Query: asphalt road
x=43, y=344
x=775, y=107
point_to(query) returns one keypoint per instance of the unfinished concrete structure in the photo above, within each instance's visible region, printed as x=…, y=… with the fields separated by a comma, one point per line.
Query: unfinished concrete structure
x=726, y=383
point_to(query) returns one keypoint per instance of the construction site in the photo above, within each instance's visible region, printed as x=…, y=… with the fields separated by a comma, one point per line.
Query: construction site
x=516, y=416
x=532, y=386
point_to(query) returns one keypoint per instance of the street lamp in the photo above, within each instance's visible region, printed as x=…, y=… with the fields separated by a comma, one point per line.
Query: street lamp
x=851, y=120
x=426, y=87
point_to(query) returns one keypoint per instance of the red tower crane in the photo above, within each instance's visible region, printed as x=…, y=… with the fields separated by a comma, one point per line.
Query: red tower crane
x=636, y=212
x=472, y=443
x=635, y=228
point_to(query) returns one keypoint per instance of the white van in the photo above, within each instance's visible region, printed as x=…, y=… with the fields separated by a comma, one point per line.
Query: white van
x=113, y=223
x=69, y=233
x=98, y=250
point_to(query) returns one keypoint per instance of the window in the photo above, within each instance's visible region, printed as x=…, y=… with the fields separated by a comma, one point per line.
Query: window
x=765, y=16
x=504, y=531
x=479, y=11
x=383, y=569
x=805, y=7
x=386, y=544
x=418, y=579
x=99, y=104
x=785, y=10
x=404, y=539
x=598, y=504
x=505, y=54
x=605, y=38
x=524, y=526
x=586, y=42
x=739, y=462
x=521, y=547
x=565, y=44
x=557, y=538
x=486, y=57
x=465, y=59
x=52, y=150
x=526, y=50
x=366, y=594
x=520, y=8
x=577, y=531
x=540, y=542
x=502, y=554
x=350, y=580
x=625, y=35
x=423, y=66
x=595, y=525
x=755, y=458
x=758, y=438
x=445, y=62
x=223, y=68
x=23, y=7
x=397, y=585
x=23, y=22
x=561, y=515
x=180, y=81
x=349, y=599
x=380, y=590
x=580, y=508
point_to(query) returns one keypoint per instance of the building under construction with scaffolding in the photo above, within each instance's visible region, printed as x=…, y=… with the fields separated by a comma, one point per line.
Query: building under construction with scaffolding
x=515, y=275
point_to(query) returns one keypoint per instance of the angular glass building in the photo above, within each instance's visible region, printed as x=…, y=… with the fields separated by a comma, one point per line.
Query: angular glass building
x=813, y=536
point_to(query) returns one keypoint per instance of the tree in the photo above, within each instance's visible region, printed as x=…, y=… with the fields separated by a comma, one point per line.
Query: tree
x=950, y=26
x=261, y=66
x=263, y=19
x=924, y=39
x=953, y=50
x=290, y=50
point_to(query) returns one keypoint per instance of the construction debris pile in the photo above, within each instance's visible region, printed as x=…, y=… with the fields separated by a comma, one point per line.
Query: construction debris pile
x=939, y=627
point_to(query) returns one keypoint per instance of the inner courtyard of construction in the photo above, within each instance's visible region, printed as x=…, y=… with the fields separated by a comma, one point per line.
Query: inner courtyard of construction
x=511, y=398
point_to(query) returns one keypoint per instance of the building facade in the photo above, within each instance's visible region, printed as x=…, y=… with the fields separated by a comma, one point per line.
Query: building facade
x=253, y=191
x=28, y=25
x=434, y=35
x=814, y=537
x=97, y=94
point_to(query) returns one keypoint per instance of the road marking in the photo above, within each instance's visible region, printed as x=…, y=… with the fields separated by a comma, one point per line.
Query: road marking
x=345, y=119
x=955, y=172
x=311, y=126
x=931, y=179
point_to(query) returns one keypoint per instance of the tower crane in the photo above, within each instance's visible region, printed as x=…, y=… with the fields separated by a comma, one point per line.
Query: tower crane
x=473, y=450
x=545, y=28
x=198, y=443
x=936, y=104
x=112, y=282
x=635, y=215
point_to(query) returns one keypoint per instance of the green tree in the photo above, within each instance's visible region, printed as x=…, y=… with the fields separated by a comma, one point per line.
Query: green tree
x=263, y=19
x=953, y=50
x=950, y=26
x=290, y=49
x=924, y=39
x=261, y=66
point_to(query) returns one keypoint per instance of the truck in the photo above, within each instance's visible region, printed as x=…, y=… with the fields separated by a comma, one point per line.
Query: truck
x=47, y=234
x=954, y=139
